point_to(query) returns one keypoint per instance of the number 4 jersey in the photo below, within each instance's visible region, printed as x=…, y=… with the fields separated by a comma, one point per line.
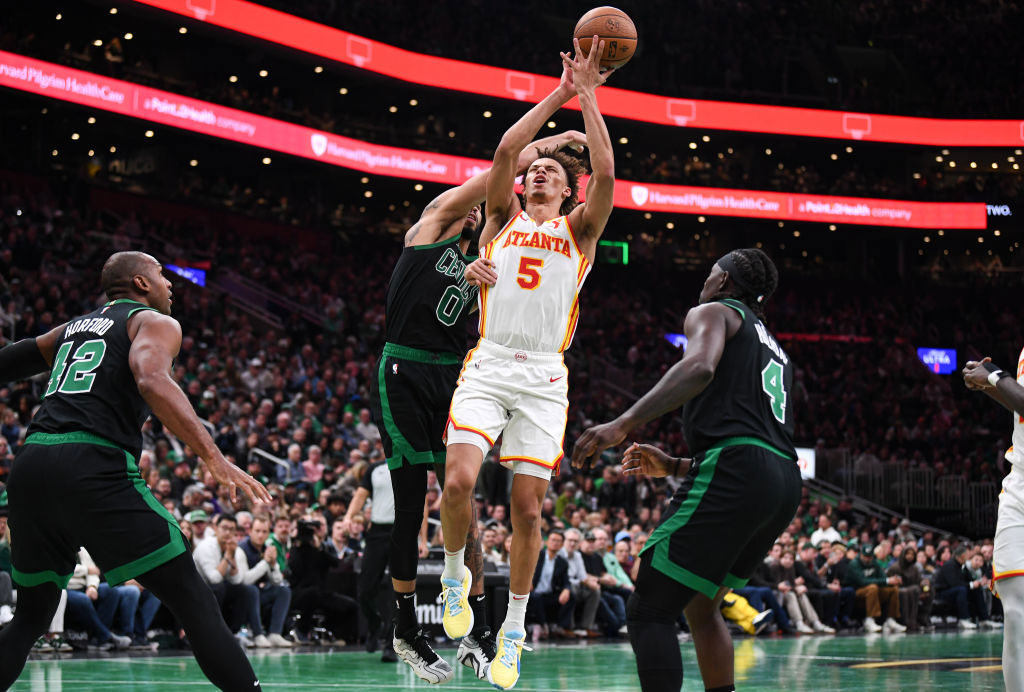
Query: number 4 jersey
x=749, y=395
x=91, y=387
x=534, y=306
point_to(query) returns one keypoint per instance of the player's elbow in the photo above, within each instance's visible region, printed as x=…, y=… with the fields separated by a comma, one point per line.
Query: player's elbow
x=603, y=168
x=701, y=373
x=507, y=150
x=149, y=383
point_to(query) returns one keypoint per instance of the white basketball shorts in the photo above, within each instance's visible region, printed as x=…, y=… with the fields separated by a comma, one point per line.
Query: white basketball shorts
x=1008, y=553
x=520, y=394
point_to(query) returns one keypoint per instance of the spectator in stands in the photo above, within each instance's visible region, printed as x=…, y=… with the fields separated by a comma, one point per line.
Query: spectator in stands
x=84, y=603
x=223, y=565
x=585, y=588
x=309, y=564
x=365, y=428
x=256, y=379
x=265, y=572
x=875, y=590
x=612, y=607
x=825, y=532
x=293, y=471
x=551, y=600
x=915, y=590
x=623, y=555
x=954, y=585
x=313, y=467
x=760, y=593
x=281, y=539
x=823, y=595
x=792, y=593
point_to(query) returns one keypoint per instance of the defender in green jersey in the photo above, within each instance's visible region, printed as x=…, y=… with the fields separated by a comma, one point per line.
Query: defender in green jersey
x=75, y=481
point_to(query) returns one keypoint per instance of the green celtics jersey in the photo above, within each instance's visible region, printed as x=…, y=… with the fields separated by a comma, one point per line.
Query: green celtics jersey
x=749, y=396
x=92, y=388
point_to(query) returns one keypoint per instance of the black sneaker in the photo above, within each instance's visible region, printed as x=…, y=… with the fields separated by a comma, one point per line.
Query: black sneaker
x=477, y=653
x=422, y=659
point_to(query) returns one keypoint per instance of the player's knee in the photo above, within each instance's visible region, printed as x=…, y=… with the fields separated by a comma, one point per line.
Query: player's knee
x=526, y=519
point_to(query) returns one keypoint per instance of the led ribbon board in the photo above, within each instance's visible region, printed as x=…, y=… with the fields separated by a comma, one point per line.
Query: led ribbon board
x=154, y=105
x=350, y=49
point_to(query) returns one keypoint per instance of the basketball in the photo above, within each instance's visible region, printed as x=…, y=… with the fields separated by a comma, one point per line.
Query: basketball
x=615, y=27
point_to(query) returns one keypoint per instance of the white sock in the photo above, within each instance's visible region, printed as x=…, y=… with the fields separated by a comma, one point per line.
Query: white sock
x=453, y=564
x=515, y=617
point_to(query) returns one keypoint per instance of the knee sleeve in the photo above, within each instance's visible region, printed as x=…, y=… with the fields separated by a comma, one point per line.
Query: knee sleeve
x=409, y=483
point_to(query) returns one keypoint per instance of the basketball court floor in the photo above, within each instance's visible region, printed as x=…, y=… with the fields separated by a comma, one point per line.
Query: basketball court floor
x=943, y=661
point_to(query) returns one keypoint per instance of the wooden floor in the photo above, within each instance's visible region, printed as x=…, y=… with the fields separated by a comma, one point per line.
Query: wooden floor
x=861, y=663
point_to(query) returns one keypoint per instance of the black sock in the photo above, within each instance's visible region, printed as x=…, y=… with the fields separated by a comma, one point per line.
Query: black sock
x=723, y=688
x=479, y=606
x=404, y=612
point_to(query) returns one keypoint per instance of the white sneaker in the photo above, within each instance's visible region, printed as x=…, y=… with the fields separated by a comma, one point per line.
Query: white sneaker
x=871, y=626
x=423, y=660
x=892, y=626
x=261, y=642
x=6, y=614
x=245, y=641
x=278, y=641
x=802, y=628
x=477, y=653
x=823, y=628
x=991, y=624
x=966, y=625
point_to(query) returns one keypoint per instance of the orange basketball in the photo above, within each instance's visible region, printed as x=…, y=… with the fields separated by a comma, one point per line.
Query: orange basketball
x=615, y=27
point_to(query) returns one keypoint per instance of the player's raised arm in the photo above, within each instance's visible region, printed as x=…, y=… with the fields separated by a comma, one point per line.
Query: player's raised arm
x=501, y=182
x=590, y=218
x=154, y=346
x=454, y=204
x=999, y=384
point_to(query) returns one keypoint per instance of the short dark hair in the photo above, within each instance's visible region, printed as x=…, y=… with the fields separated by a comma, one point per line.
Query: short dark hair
x=227, y=516
x=118, y=271
x=556, y=532
x=573, y=168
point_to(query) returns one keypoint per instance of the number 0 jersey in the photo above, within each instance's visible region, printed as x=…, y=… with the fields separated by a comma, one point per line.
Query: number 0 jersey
x=534, y=306
x=748, y=396
x=91, y=387
x=428, y=297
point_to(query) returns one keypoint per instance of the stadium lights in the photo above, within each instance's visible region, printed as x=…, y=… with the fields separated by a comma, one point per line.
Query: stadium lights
x=927, y=239
x=91, y=120
x=487, y=114
x=263, y=73
x=193, y=163
x=996, y=233
x=414, y=102
x=647, y=215
x=701, y=219
x=942, y=232
x=552, y=124
x=54, y=152
x=834, y=157
x=952, y=164
x=368, y=194
x=113, y=150
x=92, y=152
x=1010, y=159
x=149, y=133
x=393, y=109
x=318, y=69
x=938, y=159
x=974, y=164
x=782, y=224
x=451, y=134
x=418, y=187
x=705, y=138
x=74, y=136
x=44, y=111
x=917, y=176
x=623, y=140
x=182, y=30
x=767, y=152
x=670, y=225
x=831, y=227
x=693, y=145
x=796, y=234
x=945, y=152
x=995, y=165
x=129, y=36
x=849, y=150
x=233, y=78
x=59, y=17
x=113, y=10
x=364, y=180
x=98, y=42
x=266, y=160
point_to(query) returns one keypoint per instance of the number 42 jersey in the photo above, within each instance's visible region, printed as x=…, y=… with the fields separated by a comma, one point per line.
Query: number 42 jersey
x=749, y=395
x=91, y=387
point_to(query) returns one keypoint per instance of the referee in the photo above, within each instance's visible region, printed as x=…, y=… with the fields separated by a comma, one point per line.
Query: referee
x=376, y=487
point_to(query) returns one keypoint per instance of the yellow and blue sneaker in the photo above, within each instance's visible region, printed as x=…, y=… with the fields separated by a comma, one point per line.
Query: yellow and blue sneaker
x=503, y=672
x=458, y=616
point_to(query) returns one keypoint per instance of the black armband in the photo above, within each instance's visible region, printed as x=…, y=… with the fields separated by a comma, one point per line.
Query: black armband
x=675, y=471
x=995, y=373
x=21, y=360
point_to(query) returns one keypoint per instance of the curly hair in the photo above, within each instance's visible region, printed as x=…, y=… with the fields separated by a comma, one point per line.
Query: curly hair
x=758, y=278
x=573, y=168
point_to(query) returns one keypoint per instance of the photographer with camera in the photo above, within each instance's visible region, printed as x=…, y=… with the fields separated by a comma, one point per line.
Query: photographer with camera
x=309, y=562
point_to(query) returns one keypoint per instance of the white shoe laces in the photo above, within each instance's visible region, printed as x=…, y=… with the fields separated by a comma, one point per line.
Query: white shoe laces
x=452, y=595
x=508, y=658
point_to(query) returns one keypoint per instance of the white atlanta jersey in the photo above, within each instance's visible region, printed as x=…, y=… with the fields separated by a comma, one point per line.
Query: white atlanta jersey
x=1008, y=556
x=534, y=305
x=1015, y=454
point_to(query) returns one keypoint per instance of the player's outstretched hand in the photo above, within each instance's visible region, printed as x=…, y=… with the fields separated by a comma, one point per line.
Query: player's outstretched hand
x=586, y=72
x=976, y=375
x=595, y=440
x=481, y=271
x=229, y=475
x=647, y=460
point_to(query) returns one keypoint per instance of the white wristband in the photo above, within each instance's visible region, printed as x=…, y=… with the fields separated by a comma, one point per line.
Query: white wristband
x=994, y=377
